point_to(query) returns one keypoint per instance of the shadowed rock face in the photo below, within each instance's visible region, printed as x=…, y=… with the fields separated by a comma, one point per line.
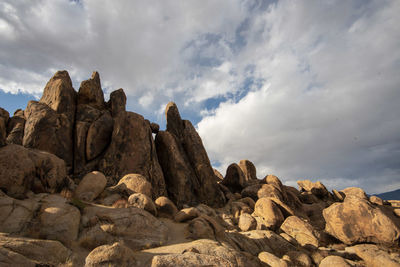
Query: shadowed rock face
x=90, y=92
x=16, y=127
x=112, y=140
x=93, y=126
x=234, y=179
x=249, y=170
x=4, y=117
x=23, y=169
x=50, y=122
x=132, y=150
x=117, y=102
x=187, y=169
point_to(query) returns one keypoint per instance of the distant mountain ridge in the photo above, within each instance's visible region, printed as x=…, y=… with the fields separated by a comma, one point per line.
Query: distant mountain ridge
x=392, y=195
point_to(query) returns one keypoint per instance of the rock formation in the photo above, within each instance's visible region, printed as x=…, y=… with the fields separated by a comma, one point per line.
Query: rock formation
x=84, y=183
x=188, y=173
x=50, y=122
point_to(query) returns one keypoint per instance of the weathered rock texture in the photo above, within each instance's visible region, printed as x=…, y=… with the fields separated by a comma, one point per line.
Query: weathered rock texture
x=4, y=117
x=16, y=128
x=91, y=186
x=16, y=251
x=188, y=173
x=84, y=183
x=136, y=227
x=132, y=148
x=23, y=169
x=114, y=255
x=356, y=220
x=50, y=122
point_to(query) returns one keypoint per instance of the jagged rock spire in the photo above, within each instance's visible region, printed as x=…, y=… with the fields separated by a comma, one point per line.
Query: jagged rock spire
x=90, y=92
x=49, y=122
x=185, y=163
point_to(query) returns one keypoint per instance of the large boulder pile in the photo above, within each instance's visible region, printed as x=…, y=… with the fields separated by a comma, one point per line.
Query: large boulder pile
x=83, y=182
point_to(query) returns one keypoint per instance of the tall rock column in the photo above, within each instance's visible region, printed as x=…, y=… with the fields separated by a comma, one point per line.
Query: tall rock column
x=4, y=118
x=112, y=140
x=50, y=122
x=187, y=170
x=132, y=150
x=15, y=128
x=93, y=126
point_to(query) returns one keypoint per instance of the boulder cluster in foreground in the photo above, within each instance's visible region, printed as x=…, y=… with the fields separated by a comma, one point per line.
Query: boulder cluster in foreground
x=83, y=182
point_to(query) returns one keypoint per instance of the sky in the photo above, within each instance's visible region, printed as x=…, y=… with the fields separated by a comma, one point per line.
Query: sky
x=303, y=89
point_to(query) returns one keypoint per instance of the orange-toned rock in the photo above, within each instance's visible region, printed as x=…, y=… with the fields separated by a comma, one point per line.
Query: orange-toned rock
x=203, y=252
x=136, y=227
x=300, y=230
x=375, y=257
x=49, y=122
x=272, y=260
x=356, y=220
x=133, y=183
x=376, y=200
x=298, y=258
x=317, y=188
x=273, y=180
x=257, y=191
x=333, y=260
x=114, y=255
x=28, y=252
x=142, y=201
x=249, y=170
x=90, y=92
x=397, y=212
x=270, y=212
x=354, y=192
x=91, y=185
x=59, y=220
x=186, y=214
x=165, y=207
x=247, y=222
x=338, y=196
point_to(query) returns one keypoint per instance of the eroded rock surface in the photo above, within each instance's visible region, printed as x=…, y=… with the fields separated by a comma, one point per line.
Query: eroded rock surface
x=356, y=220
x=138, y=228
x=82, y=153
x=50, y=122
x=17, y=251
x=114, y=255
x=188, y=173
x=23, y=169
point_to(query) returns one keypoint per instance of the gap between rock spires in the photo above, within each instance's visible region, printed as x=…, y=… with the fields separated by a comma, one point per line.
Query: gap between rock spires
x=84, y=183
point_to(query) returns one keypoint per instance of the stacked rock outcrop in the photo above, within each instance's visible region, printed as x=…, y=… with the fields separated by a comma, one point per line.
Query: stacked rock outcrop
x=184, y=161
x=83, y=182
